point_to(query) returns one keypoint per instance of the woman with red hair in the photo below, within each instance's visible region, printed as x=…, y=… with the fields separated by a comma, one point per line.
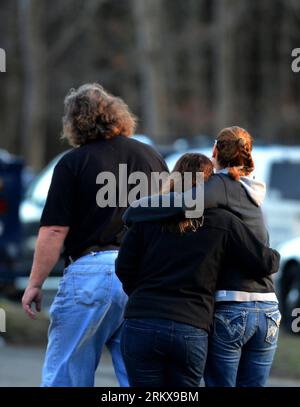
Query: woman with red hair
x=244, y=337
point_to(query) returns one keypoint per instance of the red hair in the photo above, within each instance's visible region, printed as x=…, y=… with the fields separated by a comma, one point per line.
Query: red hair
x=234, y=146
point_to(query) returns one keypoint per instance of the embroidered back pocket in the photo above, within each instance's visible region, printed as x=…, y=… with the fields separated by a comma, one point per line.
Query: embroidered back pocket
x=230, y=326
x=273, y=323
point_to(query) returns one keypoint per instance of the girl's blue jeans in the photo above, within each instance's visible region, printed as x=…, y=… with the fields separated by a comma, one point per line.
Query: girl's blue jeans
x=243, y=344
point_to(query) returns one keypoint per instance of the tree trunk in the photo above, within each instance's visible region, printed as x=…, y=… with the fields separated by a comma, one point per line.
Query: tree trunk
x=10, y=82
x=225, y=11
x=33, y=50
x=269, y=101
x=195, y=77
x=147, y=22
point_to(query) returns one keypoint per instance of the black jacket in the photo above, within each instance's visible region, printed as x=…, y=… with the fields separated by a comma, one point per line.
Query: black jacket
x=174, y=276
x=220, y=191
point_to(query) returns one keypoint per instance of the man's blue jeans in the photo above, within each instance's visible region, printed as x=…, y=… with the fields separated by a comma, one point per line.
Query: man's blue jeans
x=87, y=313
x=243, y=344
x=159, y=352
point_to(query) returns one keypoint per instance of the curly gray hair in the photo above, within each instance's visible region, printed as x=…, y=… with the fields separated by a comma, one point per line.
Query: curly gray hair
x=92, y=113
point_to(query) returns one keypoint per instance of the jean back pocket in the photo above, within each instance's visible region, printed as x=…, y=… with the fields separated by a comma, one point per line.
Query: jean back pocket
x=196, y=351
x=92, y=284
x=273, y=323
x=139, y=343
x=230, y=326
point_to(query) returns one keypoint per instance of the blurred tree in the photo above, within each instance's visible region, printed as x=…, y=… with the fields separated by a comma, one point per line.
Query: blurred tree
x=34, y=70
x=10, y=82
x=148, y=26
x=185, y=67
x=228, y=21
x=35, y=57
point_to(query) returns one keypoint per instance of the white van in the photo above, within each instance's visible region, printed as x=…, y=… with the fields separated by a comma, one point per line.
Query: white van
x=279, y=167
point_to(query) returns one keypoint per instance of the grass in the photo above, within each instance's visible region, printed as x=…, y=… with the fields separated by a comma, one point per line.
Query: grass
x=287, y=359
x=21, y=330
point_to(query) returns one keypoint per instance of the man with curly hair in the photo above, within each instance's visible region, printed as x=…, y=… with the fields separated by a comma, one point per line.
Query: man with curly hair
x=87, y=311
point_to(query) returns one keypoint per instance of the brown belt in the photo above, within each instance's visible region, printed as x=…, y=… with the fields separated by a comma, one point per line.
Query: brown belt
x=92, y=249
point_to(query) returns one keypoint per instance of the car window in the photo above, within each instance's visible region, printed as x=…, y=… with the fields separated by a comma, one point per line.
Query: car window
x=38, y=189
x=284, y=180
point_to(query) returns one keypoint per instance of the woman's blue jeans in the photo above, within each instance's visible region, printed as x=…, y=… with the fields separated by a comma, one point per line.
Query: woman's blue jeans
x=159, y=352
x=243, y=344
x=87, y=313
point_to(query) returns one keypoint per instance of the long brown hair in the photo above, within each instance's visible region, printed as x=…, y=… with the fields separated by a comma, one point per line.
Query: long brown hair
x=92, y=113
x=193, y=163
x=234, y=147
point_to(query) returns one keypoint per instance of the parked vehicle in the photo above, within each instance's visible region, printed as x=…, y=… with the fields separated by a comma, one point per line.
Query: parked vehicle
x=279, y=168
x=30, y=213
x=10, y=229
x=288, y=280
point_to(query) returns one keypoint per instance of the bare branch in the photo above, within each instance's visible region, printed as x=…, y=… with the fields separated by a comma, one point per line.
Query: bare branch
x=294, y=6
x=78, y=27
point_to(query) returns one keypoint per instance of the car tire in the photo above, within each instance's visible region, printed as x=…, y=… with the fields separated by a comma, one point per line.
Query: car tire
x=290, y=294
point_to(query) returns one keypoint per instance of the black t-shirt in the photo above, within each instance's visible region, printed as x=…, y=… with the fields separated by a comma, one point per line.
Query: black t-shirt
x=72, y=195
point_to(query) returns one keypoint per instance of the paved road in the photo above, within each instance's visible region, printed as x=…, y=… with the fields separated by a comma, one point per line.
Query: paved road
x=21, y=367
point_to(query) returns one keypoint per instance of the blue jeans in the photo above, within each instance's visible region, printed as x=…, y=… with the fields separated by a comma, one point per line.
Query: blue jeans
x=243, y=344
x=86, y=314
x=159, y=352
